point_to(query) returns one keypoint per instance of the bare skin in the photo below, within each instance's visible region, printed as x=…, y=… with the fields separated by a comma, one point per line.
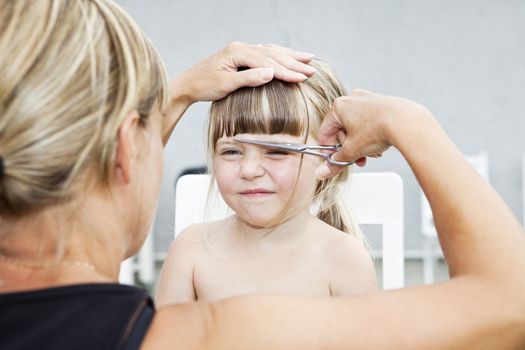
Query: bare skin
x=120, y=228
x=481, y=307
x=303, y=256
x=272, y=244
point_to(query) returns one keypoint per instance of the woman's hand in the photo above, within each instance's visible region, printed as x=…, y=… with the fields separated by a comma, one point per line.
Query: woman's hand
x=366, y=124
x=218, y=75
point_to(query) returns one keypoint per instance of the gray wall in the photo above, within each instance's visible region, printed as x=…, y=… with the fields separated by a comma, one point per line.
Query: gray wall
x=464, y=60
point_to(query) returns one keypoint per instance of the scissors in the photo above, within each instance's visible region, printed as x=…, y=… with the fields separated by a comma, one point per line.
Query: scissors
x=301, y=148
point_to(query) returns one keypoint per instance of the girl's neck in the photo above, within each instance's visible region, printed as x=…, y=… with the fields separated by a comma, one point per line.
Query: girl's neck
x=290, y=228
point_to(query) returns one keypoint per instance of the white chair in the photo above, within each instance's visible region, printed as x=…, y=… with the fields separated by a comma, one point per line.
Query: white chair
x=127, y=271
x=375, y=199
x=431, y=247
x=143, y=263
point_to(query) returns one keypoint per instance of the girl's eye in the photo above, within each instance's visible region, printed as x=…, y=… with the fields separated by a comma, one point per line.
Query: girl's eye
x=230, y=152
x=277, y=153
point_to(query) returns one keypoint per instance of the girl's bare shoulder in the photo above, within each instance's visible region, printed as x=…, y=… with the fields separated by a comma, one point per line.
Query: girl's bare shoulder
x=331, y=235
x=341, y=247
x=348, y=263
x=196, y=236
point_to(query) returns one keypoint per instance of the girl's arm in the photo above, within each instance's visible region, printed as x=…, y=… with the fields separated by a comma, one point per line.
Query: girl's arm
x=176, y=277
x=481, y=307
x=218, y=75
x=351, y=267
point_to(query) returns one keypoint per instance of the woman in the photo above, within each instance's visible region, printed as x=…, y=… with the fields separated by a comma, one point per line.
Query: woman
x=83, y=114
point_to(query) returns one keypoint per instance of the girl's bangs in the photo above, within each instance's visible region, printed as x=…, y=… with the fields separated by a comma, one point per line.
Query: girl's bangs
x=274, y=108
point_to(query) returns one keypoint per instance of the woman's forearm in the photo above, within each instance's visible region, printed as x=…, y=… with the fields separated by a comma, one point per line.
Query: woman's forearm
x=180, y=102
x=478, y=232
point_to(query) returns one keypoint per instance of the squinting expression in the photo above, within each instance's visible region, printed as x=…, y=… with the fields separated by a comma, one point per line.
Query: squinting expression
x=258, y=182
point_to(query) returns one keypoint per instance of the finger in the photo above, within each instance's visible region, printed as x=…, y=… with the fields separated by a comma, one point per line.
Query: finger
x=361, y=162
x=286, y=59
x=246, y=57
x=250, y=77
x=341, y=136
x=288, y=64
x=325, y=171
x=301, y=56
x=298, y=55
x=330, y=129
x=350, y=152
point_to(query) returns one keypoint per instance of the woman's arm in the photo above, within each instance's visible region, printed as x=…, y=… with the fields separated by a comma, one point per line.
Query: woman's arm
x=481, y=307
x=218, y=75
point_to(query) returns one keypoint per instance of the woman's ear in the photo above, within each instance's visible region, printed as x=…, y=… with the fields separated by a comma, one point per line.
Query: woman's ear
x=126, y=146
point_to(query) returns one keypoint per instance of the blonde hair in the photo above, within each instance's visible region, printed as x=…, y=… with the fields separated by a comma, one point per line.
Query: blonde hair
x=70, y=72
x=294, y=109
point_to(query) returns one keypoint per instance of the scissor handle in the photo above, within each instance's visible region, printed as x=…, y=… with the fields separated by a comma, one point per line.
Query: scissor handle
x=332, y=161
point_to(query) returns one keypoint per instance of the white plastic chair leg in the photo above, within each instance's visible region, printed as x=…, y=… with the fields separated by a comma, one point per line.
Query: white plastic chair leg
x=146, y=263
x=127, y=270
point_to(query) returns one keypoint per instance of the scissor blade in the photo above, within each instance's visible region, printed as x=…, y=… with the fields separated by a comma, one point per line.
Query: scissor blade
x=287, y=146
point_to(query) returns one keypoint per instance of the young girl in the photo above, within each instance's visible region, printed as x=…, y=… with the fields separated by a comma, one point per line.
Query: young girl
x=273, y=243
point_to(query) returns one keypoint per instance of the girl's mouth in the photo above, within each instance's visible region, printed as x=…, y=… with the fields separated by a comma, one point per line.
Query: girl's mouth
x=256, y=192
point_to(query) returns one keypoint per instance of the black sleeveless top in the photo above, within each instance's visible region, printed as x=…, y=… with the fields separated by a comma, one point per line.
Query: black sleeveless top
x=87, y=316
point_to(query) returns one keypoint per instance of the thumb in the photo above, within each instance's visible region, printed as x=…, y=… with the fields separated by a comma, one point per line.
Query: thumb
x=351, y=151
x=325, y=171
x=330, y=129
x=346, y=154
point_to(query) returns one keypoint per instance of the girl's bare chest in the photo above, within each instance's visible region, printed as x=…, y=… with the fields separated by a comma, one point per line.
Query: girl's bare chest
x=221, y=277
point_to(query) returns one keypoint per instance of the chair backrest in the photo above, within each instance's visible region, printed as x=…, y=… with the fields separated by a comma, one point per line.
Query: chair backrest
x=143, y=264
x=375, y=199
x=480, y=162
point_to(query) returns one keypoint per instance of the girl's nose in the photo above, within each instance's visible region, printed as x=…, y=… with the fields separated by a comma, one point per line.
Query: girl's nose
x=251, y=167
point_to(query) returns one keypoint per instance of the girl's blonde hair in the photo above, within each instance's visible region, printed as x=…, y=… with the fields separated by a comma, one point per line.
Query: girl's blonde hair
x=294, y=109
x=70, y=71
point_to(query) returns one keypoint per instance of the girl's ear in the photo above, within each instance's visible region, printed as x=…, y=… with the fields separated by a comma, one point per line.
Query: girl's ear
x=126, y=146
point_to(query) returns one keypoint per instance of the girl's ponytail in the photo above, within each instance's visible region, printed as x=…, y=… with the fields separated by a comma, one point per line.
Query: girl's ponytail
x=332, y=209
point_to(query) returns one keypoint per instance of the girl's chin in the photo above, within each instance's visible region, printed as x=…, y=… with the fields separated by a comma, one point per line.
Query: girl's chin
x=260, y=222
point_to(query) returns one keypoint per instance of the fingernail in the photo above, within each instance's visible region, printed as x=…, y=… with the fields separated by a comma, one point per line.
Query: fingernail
x=267, y=74
x=303, y=76
x=322, y=172
x=311, y=69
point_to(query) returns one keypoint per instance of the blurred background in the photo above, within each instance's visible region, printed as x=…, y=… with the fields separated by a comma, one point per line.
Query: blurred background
x=464, y=60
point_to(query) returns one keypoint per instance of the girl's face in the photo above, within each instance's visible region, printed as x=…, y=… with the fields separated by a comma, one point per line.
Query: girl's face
x=258, y=182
